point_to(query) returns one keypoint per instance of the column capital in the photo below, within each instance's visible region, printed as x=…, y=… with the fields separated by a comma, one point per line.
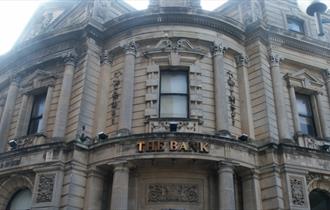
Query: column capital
x=275, y=59
x=106, y=57
x=226, y=166
x=218, y=49
x=326, y=75
x=15, y=79
x=70, y=58
x=241, y=60
x=121, y=167
x=130, y=48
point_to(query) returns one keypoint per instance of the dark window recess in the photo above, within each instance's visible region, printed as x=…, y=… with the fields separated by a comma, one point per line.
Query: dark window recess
x=295, y=25
x=305, y=112
x=319, y=200
x=37, y=114
x=174, y=94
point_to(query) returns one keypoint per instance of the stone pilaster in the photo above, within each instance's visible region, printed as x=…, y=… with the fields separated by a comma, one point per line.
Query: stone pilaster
x=244, y=95
x=226, y=187
x=127, y=92
x=251, y=190
x=282, y=121
x=7, y=113
x=22, y=115
x=322, y=114
x=221, y=101
x=94, y=190
x=103, y=92
x=48, y=100
x=294, y=109
x=119, y=196
x=65, y=95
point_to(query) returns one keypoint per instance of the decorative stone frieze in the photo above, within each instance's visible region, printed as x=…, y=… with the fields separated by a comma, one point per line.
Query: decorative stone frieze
x=115, y=96
x=173, y=192
x=31, y=140
x=231, y=97
x=45, y=188
x=165, y=125
x=297, y=191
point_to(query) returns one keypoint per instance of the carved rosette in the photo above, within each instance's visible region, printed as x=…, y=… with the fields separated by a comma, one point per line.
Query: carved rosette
x=170, y=192
x=241, y=60
x=45, y=188
x=70, y=58
x=218, y=49
x=297, y=190
x=131, y=48
x=151, y=97
x=275, y=59
x=105, y=57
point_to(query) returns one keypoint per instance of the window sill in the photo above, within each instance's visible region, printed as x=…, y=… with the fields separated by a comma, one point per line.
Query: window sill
x=311, y=142
x=28, y=141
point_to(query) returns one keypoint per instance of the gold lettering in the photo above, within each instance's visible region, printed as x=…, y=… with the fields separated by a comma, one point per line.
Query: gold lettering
x=160, y=146
x=151, y=146
x=183, y=147
x=204, y=147
x=140, y=146
x=173, y=146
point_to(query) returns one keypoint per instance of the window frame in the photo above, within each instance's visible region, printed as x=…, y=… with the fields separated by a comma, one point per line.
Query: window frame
x=300, y=23
x=311, y=115
x=38, y=118
x=174, y=69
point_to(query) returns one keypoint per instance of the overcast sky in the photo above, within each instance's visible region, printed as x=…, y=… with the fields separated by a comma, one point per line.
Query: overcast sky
x=15, y=14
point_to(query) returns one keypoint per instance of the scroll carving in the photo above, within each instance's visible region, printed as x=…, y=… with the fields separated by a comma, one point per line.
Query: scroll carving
x=297, y=190
x=45, y=188
x=218, y=49
x=165, y=192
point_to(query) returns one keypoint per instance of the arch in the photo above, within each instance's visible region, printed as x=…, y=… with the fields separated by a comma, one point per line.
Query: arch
x=319, y=199
x=22, y=199
x=12, y=185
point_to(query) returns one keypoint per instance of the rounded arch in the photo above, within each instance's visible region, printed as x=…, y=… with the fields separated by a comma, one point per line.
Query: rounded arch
x=319, y=194
x=319, y=184
x=12, y=185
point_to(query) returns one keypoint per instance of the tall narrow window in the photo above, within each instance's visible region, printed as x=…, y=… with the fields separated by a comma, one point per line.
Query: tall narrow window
x=305, y=112
x=174, y=94
x=37, y=113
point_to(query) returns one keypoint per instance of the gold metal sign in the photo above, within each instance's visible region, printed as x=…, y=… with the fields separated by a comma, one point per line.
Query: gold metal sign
x=172, y=146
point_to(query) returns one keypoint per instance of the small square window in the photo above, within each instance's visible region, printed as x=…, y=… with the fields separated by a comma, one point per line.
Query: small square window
x=37, y=114
x=295, y=24
x=174, y=94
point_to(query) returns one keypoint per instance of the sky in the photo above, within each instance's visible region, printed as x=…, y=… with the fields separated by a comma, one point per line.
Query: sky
x=15, y=14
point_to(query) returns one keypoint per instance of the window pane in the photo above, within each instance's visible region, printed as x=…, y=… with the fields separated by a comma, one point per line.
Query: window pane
x=307, y=125
x=295, y=25
x=174, y=82
x=38, y=105
x=303, y=105
x=173, y=106
x=21, y=200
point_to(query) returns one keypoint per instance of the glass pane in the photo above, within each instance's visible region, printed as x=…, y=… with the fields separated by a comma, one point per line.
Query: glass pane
x=38, y=105
x=174, y=82
x=173, y=106
x=34, y=126
x=307, y=125
x=295, y=25
x=21, y=200
x=304, y=105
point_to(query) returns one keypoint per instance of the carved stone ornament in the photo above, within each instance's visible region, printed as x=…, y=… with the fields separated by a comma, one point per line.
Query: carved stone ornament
x=232, y=99
x=297, y=190
x=313, y=176
x=275, y=59
x=70, y=58
x=45, y=188
x=115, y=95
x=131, y=48
x=218, y=49
x=182, y=126
x=105, y=57
x=241, y=60
x=169, y=192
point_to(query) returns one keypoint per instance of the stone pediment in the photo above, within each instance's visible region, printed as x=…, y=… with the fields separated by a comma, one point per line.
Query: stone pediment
x=38, y=79
x=304, y=79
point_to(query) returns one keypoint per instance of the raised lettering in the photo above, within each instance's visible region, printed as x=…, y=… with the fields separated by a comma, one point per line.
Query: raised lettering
x=140, y=146
x=203, y=147
x=183, y=147
x=173, y=146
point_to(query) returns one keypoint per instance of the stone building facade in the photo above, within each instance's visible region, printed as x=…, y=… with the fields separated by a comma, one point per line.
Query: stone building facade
x=105, y=107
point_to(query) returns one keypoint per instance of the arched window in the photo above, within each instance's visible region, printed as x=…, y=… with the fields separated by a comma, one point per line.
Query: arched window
x=319, y=200
x=21, y=200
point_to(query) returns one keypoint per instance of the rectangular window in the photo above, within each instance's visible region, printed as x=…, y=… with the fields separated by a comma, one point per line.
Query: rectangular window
x=36, y=114
x=305, y=112
x=174, y=94
x=295, y=24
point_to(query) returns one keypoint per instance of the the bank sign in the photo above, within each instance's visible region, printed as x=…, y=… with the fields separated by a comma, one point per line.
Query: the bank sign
x=172, y=146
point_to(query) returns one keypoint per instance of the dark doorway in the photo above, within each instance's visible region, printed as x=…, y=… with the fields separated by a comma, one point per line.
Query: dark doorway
x=319, y=200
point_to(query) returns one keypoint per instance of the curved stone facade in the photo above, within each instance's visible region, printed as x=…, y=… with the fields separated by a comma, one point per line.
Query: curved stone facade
x=83, y=94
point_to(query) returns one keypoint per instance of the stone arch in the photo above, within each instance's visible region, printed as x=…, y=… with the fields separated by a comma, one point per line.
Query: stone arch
x=11, y=185
x=319, y=184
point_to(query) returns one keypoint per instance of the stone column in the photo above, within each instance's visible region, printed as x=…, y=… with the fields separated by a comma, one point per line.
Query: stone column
x=22, y=123
x=48, y=101
x=251, y=191
x=94, y=190
x=281, y=114
x=322, y=114
x=294, y=109
x=244, y=96
x=7, y=113
x=226, y=187
x=221, y=101
x=64, y=100
x=119, y=196
x=103, y=92
x=127, y=91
